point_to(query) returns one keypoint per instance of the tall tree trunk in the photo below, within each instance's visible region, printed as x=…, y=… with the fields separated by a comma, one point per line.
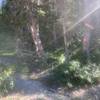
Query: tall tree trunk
x=54, y=26
x=65, y=43
x=88, y=27
x=65, y=36
x=34, y=29
x=54, y=35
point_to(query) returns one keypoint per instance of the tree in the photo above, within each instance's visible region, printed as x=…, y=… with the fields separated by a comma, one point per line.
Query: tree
x=68, y=11
x=23, y=13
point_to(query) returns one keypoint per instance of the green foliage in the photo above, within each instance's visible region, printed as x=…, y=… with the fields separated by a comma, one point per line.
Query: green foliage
x=79, y=70
x=89, y=72
x=6, y=79
x=16, y=14
x=76, y=74
x=74, y=65
x=47, y=18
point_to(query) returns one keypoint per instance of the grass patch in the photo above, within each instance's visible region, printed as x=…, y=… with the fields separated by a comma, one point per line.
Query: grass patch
x=7, y=53
x=7, y=40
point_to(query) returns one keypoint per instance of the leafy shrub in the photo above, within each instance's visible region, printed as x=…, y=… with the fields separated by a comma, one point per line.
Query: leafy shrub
x=89, y=72
x=6, y=79
x=77, y=74
x=79, y=70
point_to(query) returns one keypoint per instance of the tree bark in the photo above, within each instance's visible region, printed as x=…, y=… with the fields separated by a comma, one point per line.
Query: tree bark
x=36, y=38
x=34, y=29
x=65, y=43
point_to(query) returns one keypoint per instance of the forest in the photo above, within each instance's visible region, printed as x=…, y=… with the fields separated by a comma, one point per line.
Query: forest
x=49, y=49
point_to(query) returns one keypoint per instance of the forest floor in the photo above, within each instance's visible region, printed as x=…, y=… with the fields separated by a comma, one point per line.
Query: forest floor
x=36, y=89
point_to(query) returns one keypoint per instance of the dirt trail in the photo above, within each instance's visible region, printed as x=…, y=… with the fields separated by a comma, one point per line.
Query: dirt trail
x=36, y=90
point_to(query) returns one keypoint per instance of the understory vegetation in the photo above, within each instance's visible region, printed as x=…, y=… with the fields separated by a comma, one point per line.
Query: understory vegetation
x=78, y=71
x=6, y=79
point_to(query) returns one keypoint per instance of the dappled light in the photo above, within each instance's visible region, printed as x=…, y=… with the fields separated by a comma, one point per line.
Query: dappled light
x=50, y=49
